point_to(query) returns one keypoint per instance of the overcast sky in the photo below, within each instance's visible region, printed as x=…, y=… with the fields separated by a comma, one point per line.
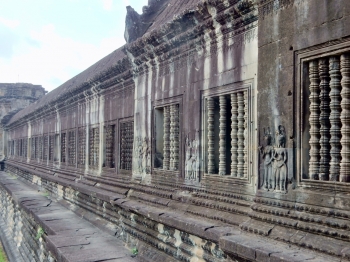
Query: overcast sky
x=47, y=42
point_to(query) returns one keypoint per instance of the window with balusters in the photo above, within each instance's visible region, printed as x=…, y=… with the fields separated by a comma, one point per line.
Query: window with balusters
x=167, y=136
x=226, y=137
x=109, y=140
x=94, y=143
x=326, y=118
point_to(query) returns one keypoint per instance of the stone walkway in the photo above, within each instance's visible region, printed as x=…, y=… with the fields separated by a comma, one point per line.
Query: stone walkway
x=69, y=237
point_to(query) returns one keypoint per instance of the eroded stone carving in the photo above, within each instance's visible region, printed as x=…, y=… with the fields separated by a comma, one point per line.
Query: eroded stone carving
x=275, y=161
x=143, y=154
x=192, y=159
x=280, y=158
x=267, y=154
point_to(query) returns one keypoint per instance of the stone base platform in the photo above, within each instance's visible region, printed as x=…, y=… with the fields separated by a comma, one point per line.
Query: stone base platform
x=156, y=225
x=44, y=230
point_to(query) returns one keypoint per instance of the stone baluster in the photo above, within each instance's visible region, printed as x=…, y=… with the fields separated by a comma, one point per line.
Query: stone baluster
x=211, y=157
x=234, y=127
x=91, y=147
x=222, y=136
x=324, y=119
x=131, y=143
x=96, y=146
x=166, y=138
x=171, y=136
x=240, y=134
x=176, y=137
x=123, y=146
x=245, y=144
x=314, y=120
x=345, y=119
x=334, y=71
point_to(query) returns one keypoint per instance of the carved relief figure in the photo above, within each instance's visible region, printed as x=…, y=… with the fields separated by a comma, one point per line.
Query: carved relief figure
x=267, y=153
x=191, y=163
x=143, y=153
x=280, y=159
x=275, y=158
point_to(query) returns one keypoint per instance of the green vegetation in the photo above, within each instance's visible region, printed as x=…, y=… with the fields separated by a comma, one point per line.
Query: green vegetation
x=2, y=255
x=134, y=252
x=40, y=233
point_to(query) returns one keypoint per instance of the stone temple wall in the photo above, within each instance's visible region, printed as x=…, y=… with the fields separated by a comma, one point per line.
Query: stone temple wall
x=220, y=134
x=13, y=98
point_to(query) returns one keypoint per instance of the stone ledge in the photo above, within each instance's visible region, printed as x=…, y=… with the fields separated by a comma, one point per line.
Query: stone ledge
x=68, y=237
x=230, y=238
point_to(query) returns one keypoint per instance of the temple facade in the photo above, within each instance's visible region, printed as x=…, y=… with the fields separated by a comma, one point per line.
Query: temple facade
x=219, y=132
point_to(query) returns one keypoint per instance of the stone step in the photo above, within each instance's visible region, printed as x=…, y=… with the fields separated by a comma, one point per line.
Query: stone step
x=67, y=236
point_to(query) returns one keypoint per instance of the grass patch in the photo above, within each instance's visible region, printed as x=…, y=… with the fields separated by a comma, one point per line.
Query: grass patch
x=3, y=257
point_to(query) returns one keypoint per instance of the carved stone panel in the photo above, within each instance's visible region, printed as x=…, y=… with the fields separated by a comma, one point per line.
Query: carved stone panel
x=143, y=155
x=275, y=174
x=192, y=159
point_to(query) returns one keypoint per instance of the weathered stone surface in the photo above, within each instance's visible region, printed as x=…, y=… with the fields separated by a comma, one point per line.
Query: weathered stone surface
x=219, y=132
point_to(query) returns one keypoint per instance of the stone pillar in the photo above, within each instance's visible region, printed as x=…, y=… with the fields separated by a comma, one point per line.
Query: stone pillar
x=211, y=159
x=222, y=136
x=345, y=118
x=334, y=71
x=324, y=119
x=240, y=134
x=245, y=126
x=166, y=139
x=314, y=120
x=234, y=127
x=174, y=137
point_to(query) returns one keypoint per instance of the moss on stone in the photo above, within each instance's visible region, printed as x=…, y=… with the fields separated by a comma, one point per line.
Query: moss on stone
x=3, y=257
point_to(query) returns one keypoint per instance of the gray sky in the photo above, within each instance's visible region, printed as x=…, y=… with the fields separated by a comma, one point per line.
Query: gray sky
x=47, y=42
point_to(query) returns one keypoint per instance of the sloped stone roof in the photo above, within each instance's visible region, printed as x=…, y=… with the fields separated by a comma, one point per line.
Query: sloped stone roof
x=168, y=10
x=97, y=68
